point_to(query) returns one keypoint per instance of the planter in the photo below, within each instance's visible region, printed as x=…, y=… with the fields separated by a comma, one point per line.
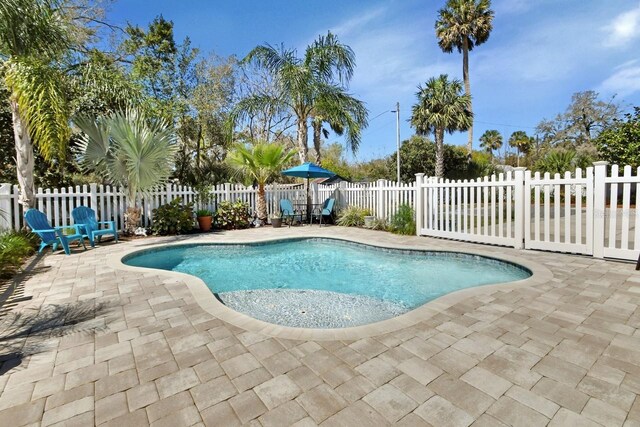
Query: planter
x=276, y=222
x=368, y=221
x=205, y=223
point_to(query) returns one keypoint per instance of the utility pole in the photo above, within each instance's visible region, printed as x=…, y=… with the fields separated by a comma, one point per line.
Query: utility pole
x=397, y=111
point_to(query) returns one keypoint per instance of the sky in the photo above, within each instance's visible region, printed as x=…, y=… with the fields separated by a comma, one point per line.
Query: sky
x=539, y=53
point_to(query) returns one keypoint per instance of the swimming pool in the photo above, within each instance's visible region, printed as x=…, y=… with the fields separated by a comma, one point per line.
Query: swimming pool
x=326, y=283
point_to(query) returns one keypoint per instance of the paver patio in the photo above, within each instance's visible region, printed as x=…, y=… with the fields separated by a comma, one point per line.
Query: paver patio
x=562, y=352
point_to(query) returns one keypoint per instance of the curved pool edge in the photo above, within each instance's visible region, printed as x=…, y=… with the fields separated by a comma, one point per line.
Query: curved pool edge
x=207, y=301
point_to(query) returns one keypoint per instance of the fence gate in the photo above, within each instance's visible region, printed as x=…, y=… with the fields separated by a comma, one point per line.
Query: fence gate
x=558, y=212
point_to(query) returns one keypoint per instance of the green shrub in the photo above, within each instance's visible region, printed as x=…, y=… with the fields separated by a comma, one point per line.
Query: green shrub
x=232, y=216
x=353, y=216
x=14, y=248
x=172, y=218
x=403, y=221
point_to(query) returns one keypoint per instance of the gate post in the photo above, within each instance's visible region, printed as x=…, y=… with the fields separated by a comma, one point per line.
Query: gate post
x=599, y=207
x=419, y=203
x=519, y=207
x=5, y=206
x=380, y=201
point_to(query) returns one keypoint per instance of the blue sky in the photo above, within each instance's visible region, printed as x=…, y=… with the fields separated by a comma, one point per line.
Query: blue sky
x=540, y=52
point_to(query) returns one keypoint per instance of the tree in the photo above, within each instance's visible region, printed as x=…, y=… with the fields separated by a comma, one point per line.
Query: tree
x=262, y=163
x=521, y=141
x=620, y=144
x=491, y=140
x=33, y=33
x=300, y=82
x=164, y=68
x=582, y=121
x=441, y=108
x=344, y=114
x=128, y=149
x=333, y=159
x=464, y=24
x=418, y=154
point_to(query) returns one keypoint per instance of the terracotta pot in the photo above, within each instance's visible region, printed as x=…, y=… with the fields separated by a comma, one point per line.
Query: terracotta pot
x=205, y=223
x=276, y=222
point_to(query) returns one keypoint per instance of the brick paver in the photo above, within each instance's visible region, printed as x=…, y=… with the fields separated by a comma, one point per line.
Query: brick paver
x=562, y=352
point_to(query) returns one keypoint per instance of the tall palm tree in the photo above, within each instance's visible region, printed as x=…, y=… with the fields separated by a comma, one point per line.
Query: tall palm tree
x=344, y=114
x=326, y=66
x=464, y=24
x=130, y=150
x=521, y=141
x=262, y=163
x=491, y=140
x=441, y=107
x=32, y=34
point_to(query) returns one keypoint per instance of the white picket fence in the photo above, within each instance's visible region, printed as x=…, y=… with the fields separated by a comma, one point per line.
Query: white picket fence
x=110, y=203
x=589, y=212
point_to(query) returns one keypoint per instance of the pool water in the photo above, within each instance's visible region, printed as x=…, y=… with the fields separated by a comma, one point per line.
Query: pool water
x=361, y=283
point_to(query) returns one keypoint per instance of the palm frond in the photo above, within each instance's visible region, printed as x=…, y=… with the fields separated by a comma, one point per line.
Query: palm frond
x=36, y=88
x=30, y=28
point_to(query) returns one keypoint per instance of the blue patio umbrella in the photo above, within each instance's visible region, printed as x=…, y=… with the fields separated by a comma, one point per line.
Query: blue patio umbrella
x=308, y=170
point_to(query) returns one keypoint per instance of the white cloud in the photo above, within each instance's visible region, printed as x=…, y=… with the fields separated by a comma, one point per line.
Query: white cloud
x=623, y=29
x=393, y=56
x=624, y=81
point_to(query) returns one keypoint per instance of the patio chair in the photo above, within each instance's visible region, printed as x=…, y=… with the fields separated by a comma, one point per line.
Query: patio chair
x=86, y=218
x=52, y=236
x=325, y=210
x=288, y=212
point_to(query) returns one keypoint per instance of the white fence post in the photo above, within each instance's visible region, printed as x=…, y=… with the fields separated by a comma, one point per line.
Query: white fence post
x=380, y=198
x=419, y=204
x=93, y=197
x=5, y=206
x=314, y=193
x=519, y=207
x=599, y=207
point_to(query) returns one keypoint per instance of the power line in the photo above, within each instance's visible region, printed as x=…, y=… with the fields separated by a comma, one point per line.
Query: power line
x=384, y=112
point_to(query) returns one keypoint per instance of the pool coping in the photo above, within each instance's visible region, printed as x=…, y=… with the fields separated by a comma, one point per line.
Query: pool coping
x=207, y=301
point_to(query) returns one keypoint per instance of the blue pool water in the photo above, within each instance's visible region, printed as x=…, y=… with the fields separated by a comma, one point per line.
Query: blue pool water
x=334, y=271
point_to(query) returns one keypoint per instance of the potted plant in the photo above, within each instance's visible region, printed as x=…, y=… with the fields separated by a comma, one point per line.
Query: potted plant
x=276, y=219
x=204, y=219
x=368, y=221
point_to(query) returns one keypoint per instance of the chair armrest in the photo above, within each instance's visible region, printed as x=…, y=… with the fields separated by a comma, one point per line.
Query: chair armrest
x=46, y=230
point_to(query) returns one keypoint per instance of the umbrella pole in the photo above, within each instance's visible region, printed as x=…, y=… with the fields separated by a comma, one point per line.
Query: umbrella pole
x=308, y=203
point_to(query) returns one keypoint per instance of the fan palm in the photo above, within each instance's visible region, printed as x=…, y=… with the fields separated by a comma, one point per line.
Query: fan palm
x=301, y=81
x=464, y=24
x=32, y=34
x=491, y=140
x=521, y=141
x=262, y=164
x=441, y=107
x=129, y=150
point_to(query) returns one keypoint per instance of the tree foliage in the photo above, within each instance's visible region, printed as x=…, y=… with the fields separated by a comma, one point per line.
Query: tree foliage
x=441, y=108
x=620, y=144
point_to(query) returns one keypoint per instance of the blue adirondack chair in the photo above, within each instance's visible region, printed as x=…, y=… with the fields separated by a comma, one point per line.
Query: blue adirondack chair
x=86, y=218
x=51, y=236
x=288, y=212
x=326, y=210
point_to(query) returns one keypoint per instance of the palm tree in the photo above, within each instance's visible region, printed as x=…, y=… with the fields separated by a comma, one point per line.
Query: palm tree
x=441, y=107
x=464, y=24
x=491, y=140
x=130, y=150
x=344, y=114
x=32, y=34
x=301, y=81
x=262, y=163
x=521, y=141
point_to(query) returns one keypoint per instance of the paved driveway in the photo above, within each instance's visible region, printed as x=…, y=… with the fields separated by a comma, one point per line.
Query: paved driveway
x=561, y=351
